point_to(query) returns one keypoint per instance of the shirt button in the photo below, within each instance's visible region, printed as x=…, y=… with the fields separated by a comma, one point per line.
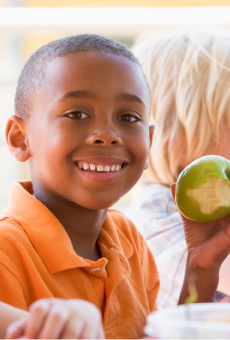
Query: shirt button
x=94, y=270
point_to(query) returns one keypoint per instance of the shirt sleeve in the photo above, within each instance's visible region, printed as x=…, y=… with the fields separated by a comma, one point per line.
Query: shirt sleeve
x=11, y=291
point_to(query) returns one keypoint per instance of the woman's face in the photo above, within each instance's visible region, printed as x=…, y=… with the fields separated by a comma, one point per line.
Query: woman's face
x=222, y=148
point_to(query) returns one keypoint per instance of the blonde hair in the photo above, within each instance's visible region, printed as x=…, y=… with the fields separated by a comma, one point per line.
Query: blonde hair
x=188, y=72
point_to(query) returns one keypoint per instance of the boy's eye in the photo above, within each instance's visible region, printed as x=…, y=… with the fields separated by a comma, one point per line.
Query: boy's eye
x=128, y=118
x=77, y=115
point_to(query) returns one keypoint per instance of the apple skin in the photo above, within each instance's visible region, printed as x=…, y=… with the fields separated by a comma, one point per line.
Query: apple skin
x=203, y=189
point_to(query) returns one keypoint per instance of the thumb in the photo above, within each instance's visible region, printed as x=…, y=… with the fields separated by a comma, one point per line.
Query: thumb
x=221, y=247
x=173, y=189
x=16, y=329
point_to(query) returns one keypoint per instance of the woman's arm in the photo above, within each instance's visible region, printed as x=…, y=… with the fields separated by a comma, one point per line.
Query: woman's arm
x=9, y=314
x=201, y=282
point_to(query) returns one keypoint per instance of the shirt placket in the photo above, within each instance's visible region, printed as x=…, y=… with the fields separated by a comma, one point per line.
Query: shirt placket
x=98, y=276
x=117, y=269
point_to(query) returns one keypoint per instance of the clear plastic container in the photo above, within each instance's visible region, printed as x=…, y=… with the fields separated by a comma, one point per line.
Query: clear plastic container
x=193, y=321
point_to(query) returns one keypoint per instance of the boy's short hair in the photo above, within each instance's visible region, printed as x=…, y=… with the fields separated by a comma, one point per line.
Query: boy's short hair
x=32, y=77
x=188, y=71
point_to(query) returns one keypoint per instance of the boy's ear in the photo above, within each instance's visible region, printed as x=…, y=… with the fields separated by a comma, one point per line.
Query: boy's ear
x=151, y=131
x=16, y=138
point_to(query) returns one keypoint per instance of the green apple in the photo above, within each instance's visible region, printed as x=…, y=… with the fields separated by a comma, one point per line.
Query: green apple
x=203, y=189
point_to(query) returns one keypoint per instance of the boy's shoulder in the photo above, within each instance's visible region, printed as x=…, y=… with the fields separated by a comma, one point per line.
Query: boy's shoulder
x=9, y=224
x=122, y=222
x=11, y=231
x=13, y=239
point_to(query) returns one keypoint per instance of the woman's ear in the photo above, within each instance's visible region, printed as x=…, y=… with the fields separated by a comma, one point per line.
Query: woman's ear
x=151, y=131
x=16, y=138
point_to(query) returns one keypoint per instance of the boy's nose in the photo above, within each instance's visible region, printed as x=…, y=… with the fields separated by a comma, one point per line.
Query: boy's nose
x=104, y=137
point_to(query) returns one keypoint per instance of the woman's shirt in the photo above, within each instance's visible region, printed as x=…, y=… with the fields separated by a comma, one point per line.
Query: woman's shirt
x=156, y=217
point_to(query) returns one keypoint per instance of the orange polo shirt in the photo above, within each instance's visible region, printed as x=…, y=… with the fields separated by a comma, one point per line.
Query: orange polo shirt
x=37, y=261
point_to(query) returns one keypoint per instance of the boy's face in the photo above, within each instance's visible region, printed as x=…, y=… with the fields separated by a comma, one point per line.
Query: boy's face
x=88, y=132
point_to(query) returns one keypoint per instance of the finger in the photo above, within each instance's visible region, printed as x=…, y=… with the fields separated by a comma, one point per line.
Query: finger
x=89, y=332
x=73, y=329
x=38, y=313
x=226, y=232
x=94, y=328
x=221, y=244
x=173, y=191
x=93, y=331
x=224, y=221
x=55, y=322
x=173, y=188
x=16, y=329
x=100, y=333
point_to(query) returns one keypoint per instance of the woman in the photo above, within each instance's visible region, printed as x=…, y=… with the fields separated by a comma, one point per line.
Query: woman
x=188, y=71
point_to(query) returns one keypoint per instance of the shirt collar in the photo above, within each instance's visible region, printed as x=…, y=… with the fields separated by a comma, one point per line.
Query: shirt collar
x=49, y=237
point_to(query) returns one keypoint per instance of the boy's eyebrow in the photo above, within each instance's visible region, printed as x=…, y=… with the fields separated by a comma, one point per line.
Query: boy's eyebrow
x=78, y=94
x=81, y=94
x=131, y=98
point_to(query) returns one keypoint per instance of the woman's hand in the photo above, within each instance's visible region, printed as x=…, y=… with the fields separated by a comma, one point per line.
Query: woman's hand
x=208, y=243
x=208, y=246
x=58, y=319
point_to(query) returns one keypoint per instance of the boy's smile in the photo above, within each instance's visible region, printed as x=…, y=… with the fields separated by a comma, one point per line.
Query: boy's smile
x=101, y=169
x=88, y=132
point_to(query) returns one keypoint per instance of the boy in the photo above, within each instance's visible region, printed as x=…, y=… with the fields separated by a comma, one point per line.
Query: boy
x=80, y=116
x=82, y=112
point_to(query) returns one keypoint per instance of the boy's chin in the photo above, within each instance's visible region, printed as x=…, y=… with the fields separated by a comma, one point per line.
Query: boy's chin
x=98, y=205
x=98, y=202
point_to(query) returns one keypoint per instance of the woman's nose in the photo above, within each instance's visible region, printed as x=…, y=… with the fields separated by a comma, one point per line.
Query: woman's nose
x=104, y=137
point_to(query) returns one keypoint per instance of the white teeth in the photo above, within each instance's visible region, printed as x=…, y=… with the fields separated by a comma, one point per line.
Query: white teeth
x=107, y=168
x=100, y=168
x=85, y=166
